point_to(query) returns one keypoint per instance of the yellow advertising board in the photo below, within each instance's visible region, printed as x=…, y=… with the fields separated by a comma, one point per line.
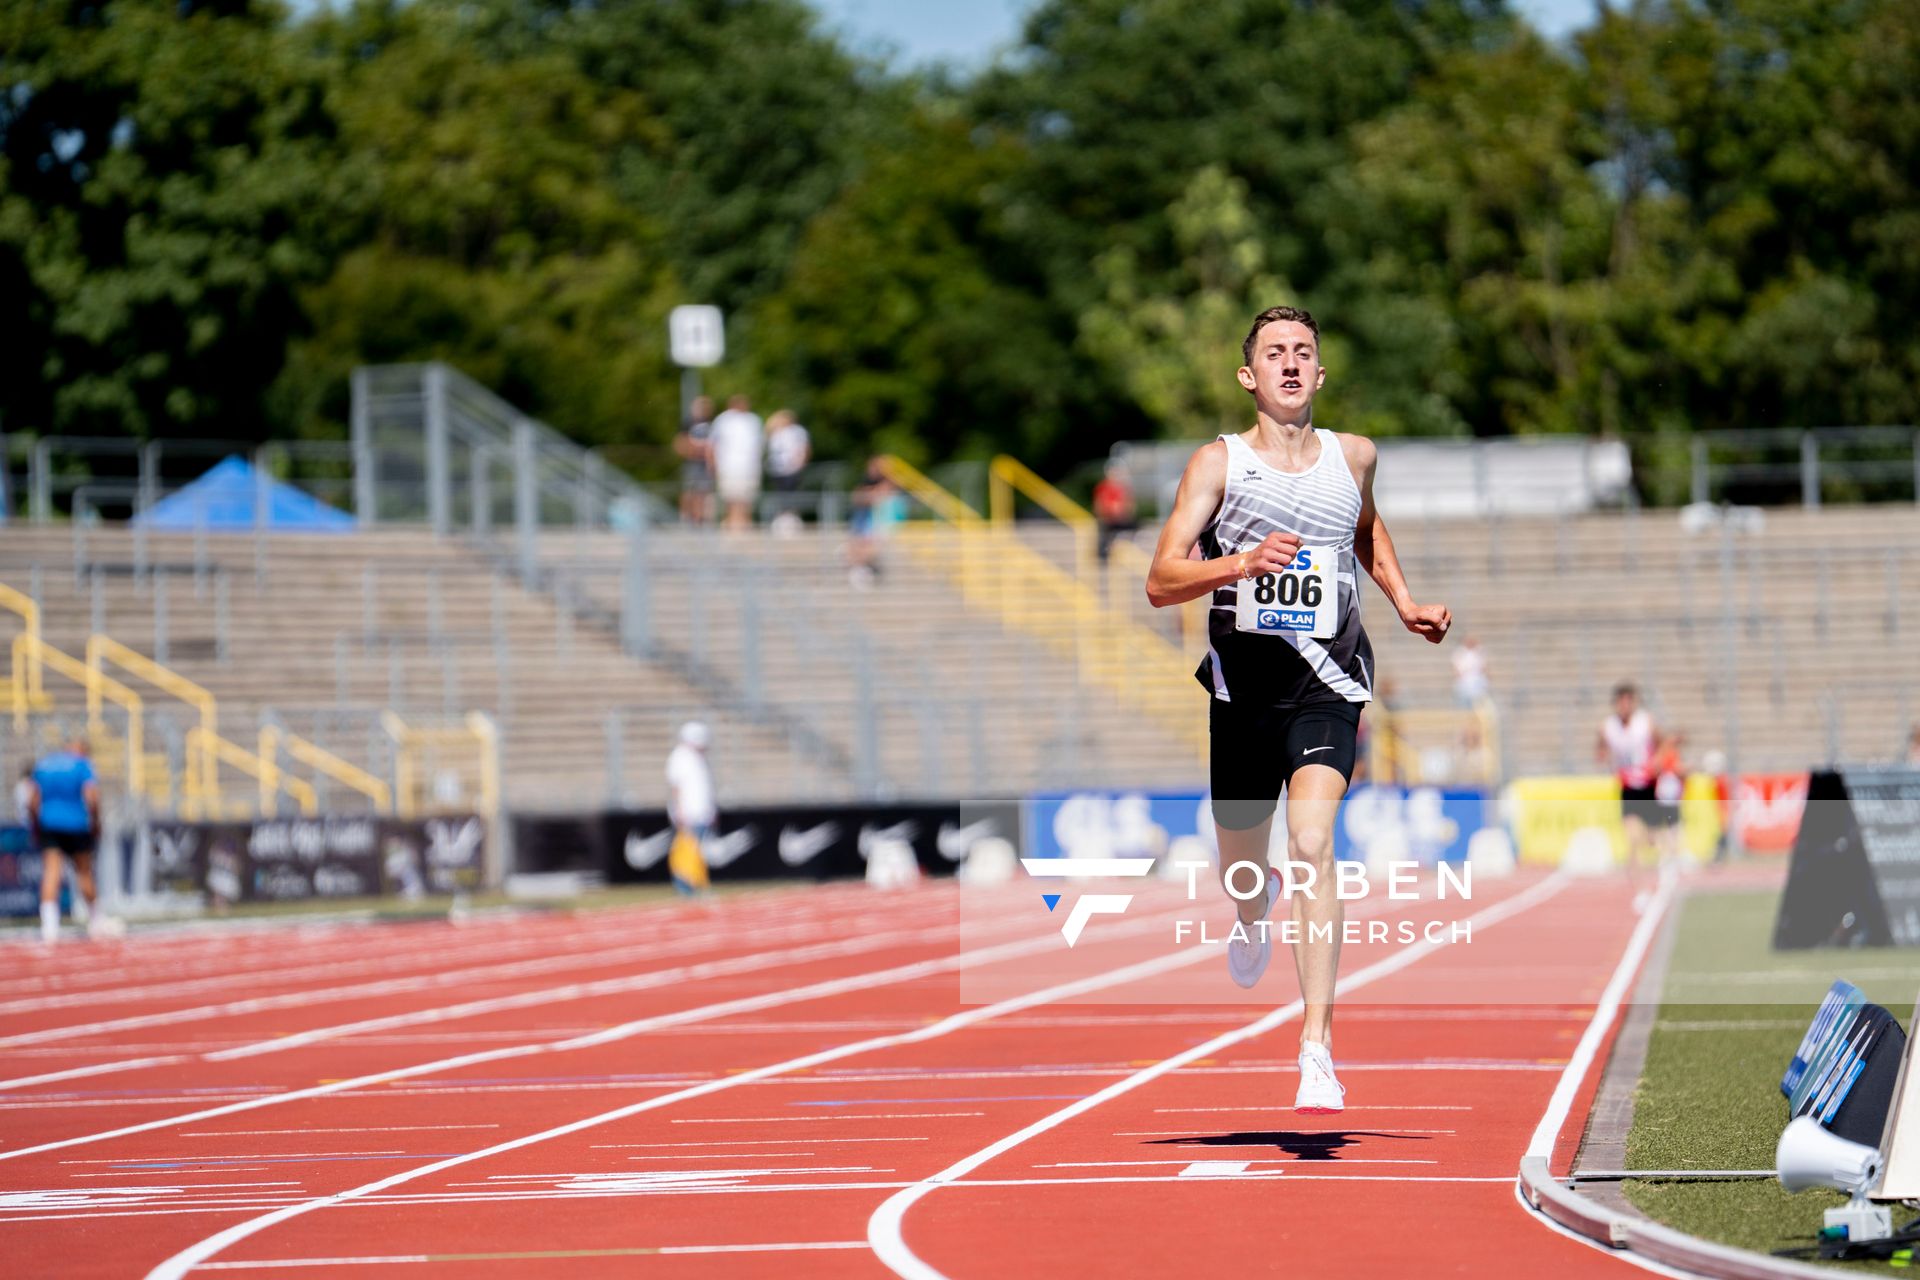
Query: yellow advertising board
x=1543, y=814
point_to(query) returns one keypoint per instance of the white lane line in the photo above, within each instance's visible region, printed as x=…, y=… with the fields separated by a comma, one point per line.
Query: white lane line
x=433, y=955
x=771, y=959
x=354, y=991
x=884, y=1229
x=178, y=1172
x=796, y=1247
x=1166, y=1111
x=98, y=1069
x=1286, y=1160
x=1547, y=1132
x=639, y=1026
x=386, y=1128
x=835, y=1116
x=180, y=1263
x=746, y=1142
x=1208, y=1168
x=197, y=1159
x=503, y=1197
x=724, y=1155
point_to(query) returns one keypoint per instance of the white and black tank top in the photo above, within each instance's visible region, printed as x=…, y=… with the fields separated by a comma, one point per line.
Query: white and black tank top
x=1322, y=506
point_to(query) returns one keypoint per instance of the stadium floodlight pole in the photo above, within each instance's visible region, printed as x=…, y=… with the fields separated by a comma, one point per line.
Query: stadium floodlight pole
x=439, y=468
x=40, y=481
x=365, y=506
x=526, y=500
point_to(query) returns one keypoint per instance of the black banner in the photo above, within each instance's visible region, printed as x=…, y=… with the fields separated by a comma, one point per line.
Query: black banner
x=814, y=842
x=1855, y=876
x=292, y=859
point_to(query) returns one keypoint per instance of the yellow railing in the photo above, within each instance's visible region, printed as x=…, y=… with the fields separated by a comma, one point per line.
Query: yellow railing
x=1001, y=574
x=20, y=603
x=274, y=740
x=31, y=653
x=202, y=766
x=1127, y=564
x=273, y=780
x=477, y=732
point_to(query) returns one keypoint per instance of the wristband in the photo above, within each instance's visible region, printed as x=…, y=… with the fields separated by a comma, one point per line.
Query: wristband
x=1245, y=573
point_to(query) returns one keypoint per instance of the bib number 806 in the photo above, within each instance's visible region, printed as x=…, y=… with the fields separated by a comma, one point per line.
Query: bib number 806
x=1287, y=589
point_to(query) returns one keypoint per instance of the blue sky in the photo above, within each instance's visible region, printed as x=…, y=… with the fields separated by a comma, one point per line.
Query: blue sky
x=967, y=31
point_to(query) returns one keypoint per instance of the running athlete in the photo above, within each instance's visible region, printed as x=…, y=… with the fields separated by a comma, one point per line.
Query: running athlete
x=63, y=812
x=1627, y=744
x=1260, y=505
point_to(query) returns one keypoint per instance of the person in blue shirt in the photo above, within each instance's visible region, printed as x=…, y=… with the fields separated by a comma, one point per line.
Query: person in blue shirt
x=63, y=812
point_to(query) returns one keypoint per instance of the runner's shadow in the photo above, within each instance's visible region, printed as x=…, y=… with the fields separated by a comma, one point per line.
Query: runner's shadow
x=1310, y=1144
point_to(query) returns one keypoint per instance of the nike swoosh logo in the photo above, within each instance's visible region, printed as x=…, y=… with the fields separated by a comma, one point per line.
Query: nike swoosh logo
x=1310, y=750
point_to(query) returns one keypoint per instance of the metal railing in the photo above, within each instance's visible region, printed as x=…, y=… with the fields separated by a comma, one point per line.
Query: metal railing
x=1004, y=577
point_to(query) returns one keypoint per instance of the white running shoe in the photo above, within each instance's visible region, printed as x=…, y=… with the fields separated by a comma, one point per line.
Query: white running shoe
x=1321, y=1093
x=1247, y=960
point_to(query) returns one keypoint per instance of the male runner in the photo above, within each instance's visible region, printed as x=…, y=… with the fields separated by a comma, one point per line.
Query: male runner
x=1286, y=706
x=1627, y=743
x=63, y=813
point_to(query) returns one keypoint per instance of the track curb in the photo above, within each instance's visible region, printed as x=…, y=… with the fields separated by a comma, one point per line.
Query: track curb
x=1546, y=1195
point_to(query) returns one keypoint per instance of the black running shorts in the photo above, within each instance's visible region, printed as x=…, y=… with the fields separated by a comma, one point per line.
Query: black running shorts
x=1254, y=749
x=1641, y=803
x=75, y=844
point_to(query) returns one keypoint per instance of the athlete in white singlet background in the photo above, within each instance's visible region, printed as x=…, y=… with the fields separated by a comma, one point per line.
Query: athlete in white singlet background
x=1285, y=708
x=1628, y=738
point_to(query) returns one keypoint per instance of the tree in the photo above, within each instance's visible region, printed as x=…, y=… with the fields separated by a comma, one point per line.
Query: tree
x=163, y=196
x=1172, y=339
x=913, y=322
x=486, y=230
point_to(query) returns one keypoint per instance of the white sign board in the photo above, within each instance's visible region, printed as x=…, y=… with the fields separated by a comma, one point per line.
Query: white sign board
x=697, y=336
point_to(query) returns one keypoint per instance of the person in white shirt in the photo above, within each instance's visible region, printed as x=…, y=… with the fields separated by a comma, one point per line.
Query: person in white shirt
x=1470, y=684
x=736, y=443
x=788, y=450
x=690, y=806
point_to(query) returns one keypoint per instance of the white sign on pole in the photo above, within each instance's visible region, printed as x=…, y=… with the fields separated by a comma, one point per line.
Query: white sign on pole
x=697, y=336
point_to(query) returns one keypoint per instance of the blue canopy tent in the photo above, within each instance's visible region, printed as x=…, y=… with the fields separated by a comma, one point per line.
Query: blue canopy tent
x=228, y=499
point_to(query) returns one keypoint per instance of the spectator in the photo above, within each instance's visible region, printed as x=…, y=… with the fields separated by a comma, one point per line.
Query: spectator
x=1114, y=506
x=694, y=445
x=690, y=806
x=23, y=793
x=738, y=438
x=1470, y=684
x=876, y=508
x=1669, y=789
x=789, y=448
x=63, y=813
x=1913, y=747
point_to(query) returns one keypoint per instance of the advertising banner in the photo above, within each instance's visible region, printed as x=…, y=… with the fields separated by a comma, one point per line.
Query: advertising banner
x=819, y=842
x=1764, y=810
x=292, y=859
x=1421, y=824
x=1545, y=812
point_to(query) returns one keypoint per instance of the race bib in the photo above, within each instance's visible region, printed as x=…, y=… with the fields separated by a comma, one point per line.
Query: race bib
x=1302, y=599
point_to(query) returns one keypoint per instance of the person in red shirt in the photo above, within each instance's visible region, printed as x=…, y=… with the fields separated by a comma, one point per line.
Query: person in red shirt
x=1114, y=506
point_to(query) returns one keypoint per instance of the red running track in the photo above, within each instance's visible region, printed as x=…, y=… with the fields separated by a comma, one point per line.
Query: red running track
x=786, y=1083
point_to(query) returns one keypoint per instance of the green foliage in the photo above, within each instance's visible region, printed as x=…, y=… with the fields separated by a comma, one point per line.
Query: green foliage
x=162, y=198
x=906, y=324
x=1698, y=214
x=1174, y=342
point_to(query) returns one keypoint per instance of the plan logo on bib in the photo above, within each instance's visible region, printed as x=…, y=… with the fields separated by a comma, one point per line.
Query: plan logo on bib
x=1089, y=905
